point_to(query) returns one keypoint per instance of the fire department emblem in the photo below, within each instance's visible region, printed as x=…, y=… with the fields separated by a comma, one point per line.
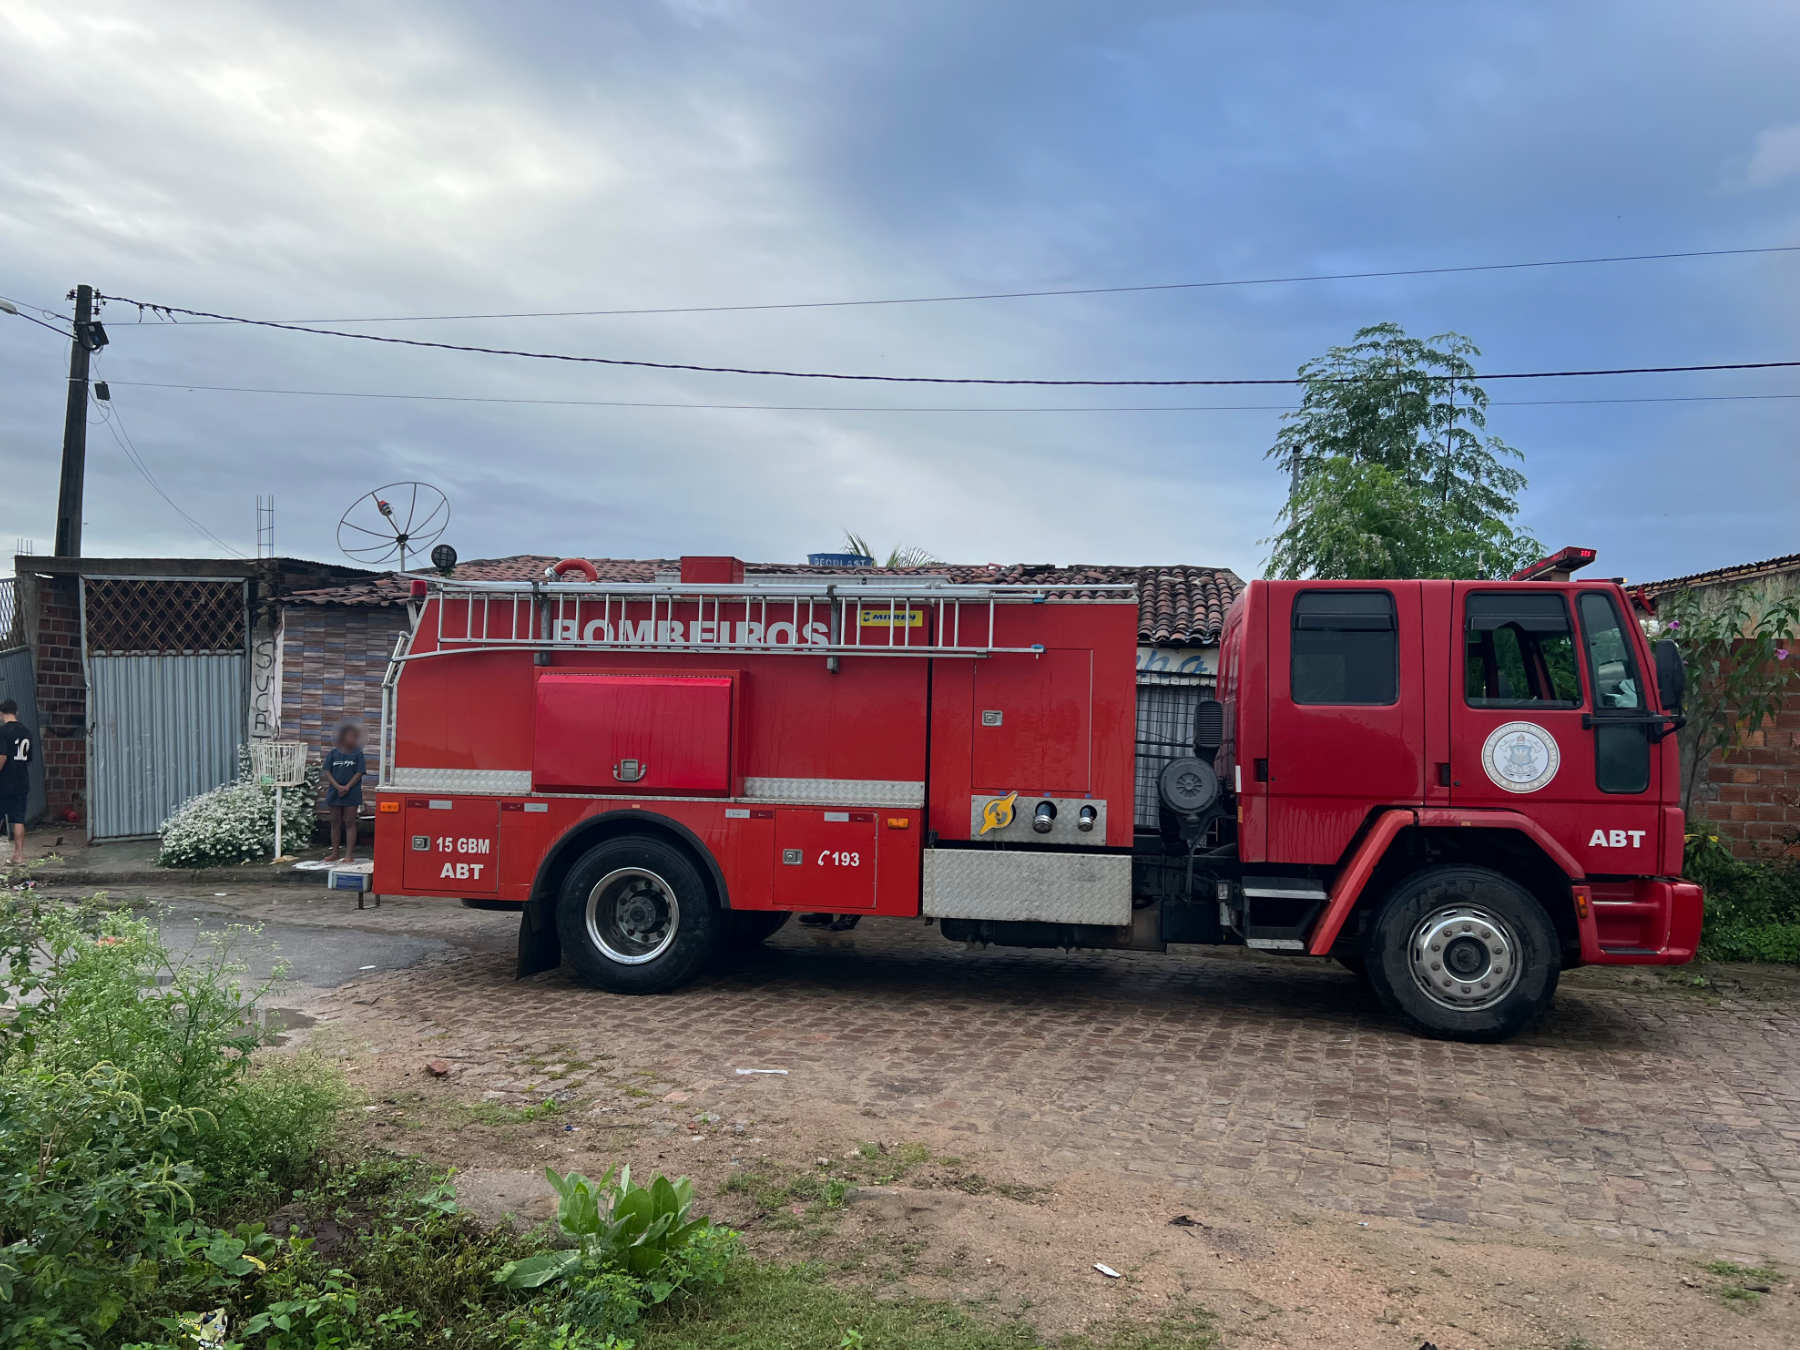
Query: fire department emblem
x=1520, y=757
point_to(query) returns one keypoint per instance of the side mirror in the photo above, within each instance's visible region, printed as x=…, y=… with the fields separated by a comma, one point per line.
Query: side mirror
x=1671, y=674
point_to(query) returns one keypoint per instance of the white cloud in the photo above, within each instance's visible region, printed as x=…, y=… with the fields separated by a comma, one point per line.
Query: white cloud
x=1775, y=157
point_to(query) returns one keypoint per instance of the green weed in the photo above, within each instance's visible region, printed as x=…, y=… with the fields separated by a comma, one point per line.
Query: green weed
x=1740, y=1283
x=762, y=1306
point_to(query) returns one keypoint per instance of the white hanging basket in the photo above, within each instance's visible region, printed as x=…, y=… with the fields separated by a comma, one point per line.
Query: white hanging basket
x=278, y=763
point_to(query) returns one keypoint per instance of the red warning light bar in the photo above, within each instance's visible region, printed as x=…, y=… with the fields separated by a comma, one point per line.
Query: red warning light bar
x=1556, y=567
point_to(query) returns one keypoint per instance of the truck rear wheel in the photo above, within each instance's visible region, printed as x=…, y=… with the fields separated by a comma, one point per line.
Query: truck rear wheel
x=635, y=917
x=1464, y=953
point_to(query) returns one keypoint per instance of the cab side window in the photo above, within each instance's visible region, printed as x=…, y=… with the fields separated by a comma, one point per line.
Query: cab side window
x=1519, y=652
x=1346, y=648
x=1621, y=745
x=1615, y=674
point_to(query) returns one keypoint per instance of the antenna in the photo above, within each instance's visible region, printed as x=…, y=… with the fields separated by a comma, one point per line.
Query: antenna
x=392, y=521
x=265, y=525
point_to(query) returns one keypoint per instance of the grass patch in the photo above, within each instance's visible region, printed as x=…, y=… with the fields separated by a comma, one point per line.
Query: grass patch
x=1740, y=1284
x=778, y=1307
x=503, y=1113
x=974, y=1183
x=801, y=1200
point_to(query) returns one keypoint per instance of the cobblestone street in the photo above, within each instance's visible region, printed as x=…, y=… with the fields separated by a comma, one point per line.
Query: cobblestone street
x=1642, y=1111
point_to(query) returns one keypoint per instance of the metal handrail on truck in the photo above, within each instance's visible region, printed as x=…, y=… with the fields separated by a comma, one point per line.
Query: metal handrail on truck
x=876, y=617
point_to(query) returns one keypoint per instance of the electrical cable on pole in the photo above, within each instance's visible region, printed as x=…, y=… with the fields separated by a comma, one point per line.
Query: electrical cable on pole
x=115, y=423
x=190, y=387
x=633, y=363
x=1061, y=291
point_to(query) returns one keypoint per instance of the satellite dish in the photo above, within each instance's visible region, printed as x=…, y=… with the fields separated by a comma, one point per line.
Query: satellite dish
x=392, y=521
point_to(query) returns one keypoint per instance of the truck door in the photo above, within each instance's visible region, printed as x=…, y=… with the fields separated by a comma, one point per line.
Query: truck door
x=1346, y=713
x=1549, y=721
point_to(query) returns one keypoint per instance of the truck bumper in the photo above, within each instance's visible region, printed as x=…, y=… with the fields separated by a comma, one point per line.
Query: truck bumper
x=1643, y=921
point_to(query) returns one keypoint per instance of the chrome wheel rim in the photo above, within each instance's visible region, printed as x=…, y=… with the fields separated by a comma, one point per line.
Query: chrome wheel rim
x=632, y=915
x=1464, y=957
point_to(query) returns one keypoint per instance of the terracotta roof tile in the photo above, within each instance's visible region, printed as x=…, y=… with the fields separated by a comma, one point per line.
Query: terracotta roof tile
x=1181, y=605
x=1736, y=572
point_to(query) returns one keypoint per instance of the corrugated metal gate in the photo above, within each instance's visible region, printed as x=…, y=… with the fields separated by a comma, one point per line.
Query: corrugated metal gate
x=168, y=683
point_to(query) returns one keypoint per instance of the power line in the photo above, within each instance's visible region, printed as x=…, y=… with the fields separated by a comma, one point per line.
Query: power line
x=116, y=425
x=62, y=333
x=909, y=379
x=1060, y=291
x=881, y=408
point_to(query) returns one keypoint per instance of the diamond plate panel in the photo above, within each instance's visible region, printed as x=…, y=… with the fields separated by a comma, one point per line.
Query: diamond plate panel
x=497, y=781
x=832, y=791
x=1017, y=884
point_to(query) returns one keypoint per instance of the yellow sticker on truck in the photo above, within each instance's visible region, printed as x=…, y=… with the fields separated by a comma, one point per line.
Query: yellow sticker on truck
x=897, y=617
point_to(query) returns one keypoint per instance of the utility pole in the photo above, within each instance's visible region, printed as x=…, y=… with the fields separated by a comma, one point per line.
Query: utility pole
x=74, y=453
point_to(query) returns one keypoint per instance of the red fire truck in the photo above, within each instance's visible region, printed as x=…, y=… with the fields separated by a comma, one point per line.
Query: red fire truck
x=1458, y=789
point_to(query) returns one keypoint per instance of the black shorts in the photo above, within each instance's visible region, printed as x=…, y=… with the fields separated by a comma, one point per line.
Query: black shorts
x=12, y=807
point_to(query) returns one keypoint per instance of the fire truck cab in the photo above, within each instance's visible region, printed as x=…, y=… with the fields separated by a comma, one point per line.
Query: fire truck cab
x=1457, y=789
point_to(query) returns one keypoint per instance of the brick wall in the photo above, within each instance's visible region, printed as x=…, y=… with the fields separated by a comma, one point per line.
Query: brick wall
x=1752, y=796
x=61, y=693
x=333, y=658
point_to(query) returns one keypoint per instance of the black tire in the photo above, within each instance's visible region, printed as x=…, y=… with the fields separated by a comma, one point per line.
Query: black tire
x=749, y=927
x=1488, y=928
x=654, y=925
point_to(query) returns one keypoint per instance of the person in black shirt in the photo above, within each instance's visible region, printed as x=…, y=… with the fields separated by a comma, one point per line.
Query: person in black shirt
x=344, y=768
x=16, y=747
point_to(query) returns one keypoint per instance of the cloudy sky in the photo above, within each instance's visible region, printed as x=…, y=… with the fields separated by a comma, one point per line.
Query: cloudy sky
x=347, y=161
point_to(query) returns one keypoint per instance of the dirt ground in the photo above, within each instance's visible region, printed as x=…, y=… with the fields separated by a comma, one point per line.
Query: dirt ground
x=926, y=1214
x=979, y=1201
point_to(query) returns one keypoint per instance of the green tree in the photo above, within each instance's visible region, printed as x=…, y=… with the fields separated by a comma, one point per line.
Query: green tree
x=1391, y=471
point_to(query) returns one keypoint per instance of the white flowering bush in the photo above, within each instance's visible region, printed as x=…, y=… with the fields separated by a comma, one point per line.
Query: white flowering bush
x=236, y=823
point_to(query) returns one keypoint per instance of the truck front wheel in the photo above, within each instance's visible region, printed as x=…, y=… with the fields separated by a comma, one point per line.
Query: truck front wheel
x=1464, y=953
x=635, y=917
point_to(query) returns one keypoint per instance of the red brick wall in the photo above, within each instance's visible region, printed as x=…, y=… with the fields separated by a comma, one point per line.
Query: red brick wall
x=61, y=696
x=1755, y=792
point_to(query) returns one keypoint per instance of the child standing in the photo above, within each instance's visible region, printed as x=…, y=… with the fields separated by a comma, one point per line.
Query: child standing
x=344, y=769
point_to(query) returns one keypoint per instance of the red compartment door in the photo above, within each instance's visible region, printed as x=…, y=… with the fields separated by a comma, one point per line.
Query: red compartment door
x=451, y=845
x=825, y=860
x=633, y=733
x=1032, y=721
